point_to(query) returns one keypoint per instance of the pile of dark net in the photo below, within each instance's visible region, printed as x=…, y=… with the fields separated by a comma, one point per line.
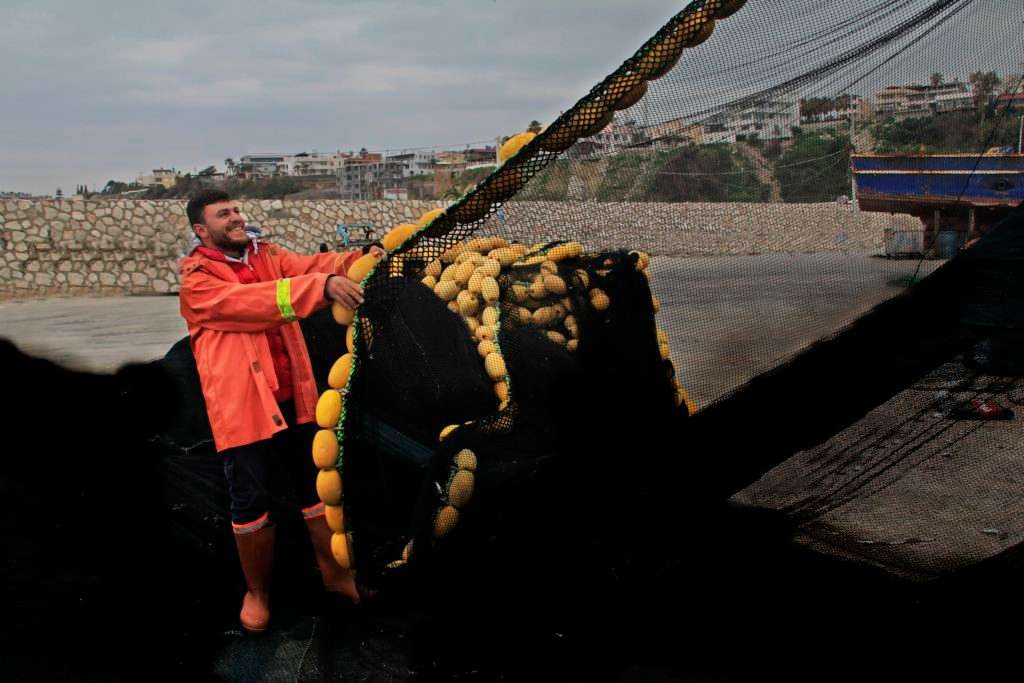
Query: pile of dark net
x=593, y=482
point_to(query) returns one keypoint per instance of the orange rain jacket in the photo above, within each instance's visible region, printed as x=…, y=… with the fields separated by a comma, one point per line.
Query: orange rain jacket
x=227, y=321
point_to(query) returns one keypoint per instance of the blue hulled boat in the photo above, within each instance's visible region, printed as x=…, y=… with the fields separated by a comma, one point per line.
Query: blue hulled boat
x=957, y=194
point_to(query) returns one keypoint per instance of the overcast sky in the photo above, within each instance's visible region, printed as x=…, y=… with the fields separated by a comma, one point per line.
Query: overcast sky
x=92, y=91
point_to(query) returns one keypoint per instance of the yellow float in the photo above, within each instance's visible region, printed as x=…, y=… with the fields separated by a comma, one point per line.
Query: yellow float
x=512, y=146
x=337, y=378
x=429, y=216
x=446, y=519
x=328, y=408
x=328, y=486
x=342, y=314
x=335, y=516
x=460, y=490
x=362, y=267
x=398, y=235
x=325, y=448
x=340, y=550
x=465, y=460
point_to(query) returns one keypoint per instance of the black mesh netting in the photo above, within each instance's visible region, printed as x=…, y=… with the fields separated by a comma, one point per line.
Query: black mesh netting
x=583, y=323
x=761, y=283
x=692, y=221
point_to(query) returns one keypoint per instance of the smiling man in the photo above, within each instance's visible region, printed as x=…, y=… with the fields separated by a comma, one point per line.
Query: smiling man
x=242, y=297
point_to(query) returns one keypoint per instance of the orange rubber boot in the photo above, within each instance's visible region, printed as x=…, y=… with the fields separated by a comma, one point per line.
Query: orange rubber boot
x=256, y=554
x=336, y=579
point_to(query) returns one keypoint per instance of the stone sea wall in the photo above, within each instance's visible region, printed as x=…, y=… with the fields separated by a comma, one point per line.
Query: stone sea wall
x=706, y=229
x=132, y=246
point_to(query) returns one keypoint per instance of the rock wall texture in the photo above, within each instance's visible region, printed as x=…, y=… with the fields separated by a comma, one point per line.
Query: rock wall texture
x=132, y=246
x=706, y=229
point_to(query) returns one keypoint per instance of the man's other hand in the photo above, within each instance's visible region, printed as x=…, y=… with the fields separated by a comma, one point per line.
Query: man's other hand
x=347, y=293
x=379, y=252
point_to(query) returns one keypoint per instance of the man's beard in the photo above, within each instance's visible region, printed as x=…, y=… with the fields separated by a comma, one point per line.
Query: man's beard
x=225, y=243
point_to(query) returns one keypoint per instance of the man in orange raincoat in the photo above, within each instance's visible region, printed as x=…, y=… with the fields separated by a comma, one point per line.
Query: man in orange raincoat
x=241, y=298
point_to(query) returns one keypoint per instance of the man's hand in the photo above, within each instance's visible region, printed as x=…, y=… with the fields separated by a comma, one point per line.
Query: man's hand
x=347, y=293
x=379, y=252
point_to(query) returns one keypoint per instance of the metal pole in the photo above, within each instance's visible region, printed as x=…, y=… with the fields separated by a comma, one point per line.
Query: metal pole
x=1020, y=135
x=853, y=176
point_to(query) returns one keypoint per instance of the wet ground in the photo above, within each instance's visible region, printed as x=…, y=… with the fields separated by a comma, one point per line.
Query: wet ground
x=731, y=318
x=94, y=333
x=727, y=318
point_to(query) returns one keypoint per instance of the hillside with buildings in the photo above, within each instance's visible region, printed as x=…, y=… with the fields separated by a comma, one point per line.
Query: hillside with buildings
x=762, y=149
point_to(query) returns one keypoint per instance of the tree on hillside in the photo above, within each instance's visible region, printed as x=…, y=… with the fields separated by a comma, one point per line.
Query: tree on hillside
x=278, y=188
x=984, y=84
x=1012, y=84
x=815, y=168
x=114, y=187
x=820, y=106
x=707, y=173
x=942, y=133
x=936, y=79
x=157, y=192
x=534, y=127
x=926, y=133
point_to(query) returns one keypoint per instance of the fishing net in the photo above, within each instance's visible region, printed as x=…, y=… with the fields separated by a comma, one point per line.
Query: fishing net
x=771, y=254
x=691, y=222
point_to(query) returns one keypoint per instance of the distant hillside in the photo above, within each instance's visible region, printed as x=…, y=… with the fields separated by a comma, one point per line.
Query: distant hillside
x=812, y=166
x=709, y=173
x=261, y=188
x=947, y=133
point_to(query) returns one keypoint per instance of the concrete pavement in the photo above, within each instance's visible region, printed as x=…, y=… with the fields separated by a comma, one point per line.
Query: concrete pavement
x=727, y=318
x=94, y=333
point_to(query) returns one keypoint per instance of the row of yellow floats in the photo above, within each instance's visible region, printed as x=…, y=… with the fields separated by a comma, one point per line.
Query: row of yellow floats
x=627, y=88
x=466, y=277
x=330, y=406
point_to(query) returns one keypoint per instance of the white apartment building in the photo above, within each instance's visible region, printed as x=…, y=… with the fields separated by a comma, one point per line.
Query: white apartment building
x=160, y=176
x=920, y=100
x=670, y=133
x=955, y=101
x=858, y=107
x=260, y=165
x=413, y=163
x=360, y=176
x=313, y=164
x=767, y=119
x=268, y=165
x=717, y=133
x=616, y=137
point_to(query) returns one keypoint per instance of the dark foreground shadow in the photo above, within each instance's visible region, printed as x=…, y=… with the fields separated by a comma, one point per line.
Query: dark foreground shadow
x=619, y=559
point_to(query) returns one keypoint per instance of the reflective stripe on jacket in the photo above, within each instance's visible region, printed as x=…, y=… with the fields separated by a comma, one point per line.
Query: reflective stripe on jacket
x=227, y=321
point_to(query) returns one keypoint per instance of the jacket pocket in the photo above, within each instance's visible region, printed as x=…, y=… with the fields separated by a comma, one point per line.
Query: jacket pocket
x=261, y=364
